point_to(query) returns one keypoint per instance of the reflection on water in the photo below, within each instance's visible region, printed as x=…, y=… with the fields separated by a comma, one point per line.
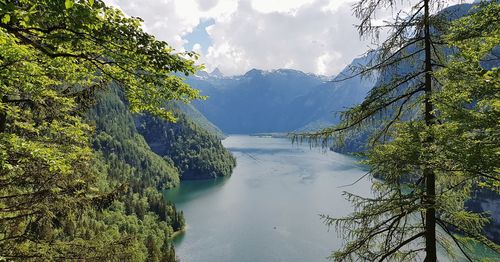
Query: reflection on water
x=191, y=190
x=268, y=210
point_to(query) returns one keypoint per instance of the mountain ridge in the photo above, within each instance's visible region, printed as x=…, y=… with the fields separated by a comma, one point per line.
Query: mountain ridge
x=278, y=100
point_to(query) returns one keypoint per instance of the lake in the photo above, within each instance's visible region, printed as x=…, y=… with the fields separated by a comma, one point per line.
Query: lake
x=268, y=210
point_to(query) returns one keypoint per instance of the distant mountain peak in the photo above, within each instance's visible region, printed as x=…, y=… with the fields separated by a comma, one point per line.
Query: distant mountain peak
x=253, y=72
x=216, y=73
x=288, y=71
x=202, y=74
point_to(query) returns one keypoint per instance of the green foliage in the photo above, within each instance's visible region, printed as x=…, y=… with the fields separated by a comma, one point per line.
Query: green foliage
x=197, y=153
x=57, y=201
x=124, y=148
x=469, y=102
x=78, y=38
x=435, y=138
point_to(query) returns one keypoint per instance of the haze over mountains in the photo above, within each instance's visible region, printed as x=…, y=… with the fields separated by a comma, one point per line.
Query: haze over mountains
x=285, y=100
x=281, y=100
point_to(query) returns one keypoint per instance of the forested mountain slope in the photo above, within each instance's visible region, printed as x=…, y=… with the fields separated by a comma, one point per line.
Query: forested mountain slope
x=160, y=150
x=125, y=161
x=200, y=120
x=124, y=148
x=135, y=175
x=196, y=152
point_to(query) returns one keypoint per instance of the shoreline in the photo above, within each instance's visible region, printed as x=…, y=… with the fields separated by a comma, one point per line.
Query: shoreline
x=177, y=233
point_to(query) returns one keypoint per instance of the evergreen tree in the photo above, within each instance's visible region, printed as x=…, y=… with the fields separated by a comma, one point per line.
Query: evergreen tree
x=197, y=153
x=154, y=254
x=419, y=189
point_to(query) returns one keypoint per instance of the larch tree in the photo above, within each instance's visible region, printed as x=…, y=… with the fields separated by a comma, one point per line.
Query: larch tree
x=54, y=55
x=418, y=197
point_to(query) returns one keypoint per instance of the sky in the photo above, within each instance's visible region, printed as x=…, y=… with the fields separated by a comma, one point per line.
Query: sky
x=314, y=36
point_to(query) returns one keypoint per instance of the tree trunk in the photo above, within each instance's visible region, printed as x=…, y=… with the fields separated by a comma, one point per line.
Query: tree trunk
x=429, y=176
x=3, y=117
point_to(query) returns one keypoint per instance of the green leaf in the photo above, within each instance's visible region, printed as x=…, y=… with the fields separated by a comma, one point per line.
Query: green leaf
x=69, y=3
x=91, y=2
x=5, y=18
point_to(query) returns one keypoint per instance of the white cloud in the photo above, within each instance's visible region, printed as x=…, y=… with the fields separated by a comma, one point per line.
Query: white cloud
x=315, y=36
x=267, y=6
x=312, y=38
x=197, y=48
x=206, y=5
x=256, y=33
x=170, y=20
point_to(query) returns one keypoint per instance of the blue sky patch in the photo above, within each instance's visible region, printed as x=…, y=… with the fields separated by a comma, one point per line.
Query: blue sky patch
x=200, y=36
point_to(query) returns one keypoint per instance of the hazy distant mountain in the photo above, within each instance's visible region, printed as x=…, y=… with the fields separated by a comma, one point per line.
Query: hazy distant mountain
x=216, y=73
x=197, y=117
x=321, y=106
x=280, y=100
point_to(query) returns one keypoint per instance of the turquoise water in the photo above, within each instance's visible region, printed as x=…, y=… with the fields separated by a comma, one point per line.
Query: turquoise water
x=268, y=210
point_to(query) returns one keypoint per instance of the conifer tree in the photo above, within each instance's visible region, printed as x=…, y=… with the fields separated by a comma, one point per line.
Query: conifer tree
x=419, y=192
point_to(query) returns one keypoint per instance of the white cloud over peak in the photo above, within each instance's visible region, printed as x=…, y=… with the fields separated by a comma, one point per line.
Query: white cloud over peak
x=315, y=36
x=306, y=35
x=312, y=38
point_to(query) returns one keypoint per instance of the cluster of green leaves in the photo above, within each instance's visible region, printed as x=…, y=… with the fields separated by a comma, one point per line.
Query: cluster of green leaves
x=197, y=153
x=56, y=198
x=83, y=36
x=469, y=102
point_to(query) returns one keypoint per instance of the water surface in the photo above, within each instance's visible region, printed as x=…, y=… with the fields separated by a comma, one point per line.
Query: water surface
x=268, y=210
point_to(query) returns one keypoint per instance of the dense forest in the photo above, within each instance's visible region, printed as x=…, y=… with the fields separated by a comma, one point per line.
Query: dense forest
x=126, y=159
x=78, y=181
x=197, y=153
